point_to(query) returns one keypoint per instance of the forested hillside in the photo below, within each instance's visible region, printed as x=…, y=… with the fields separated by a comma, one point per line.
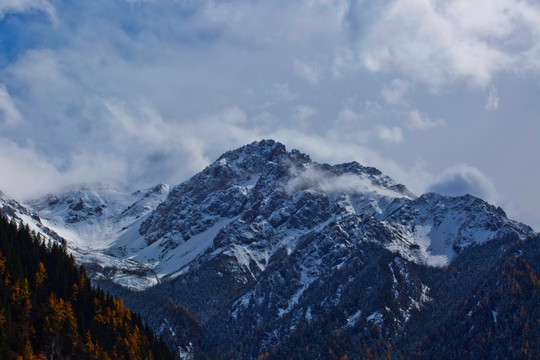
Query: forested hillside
x=50, y=311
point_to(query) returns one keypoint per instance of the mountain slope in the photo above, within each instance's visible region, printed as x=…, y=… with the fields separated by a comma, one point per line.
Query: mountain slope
x=487, y=306
x=87, y=247
x=483, y=305
x=92, y=215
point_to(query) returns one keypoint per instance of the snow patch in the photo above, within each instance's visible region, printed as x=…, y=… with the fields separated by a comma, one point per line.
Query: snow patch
x=376, y=318
x=183, y=254
x=353, y=319
x=309, y=316
x=307, y=277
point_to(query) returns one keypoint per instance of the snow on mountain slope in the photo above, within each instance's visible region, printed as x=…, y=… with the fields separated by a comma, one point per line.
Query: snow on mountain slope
x=276, y=196
x=267, y=198
x=92, y=215
x=219, y=191
x=442, y=226
x=67, y=217
x=16, y=211
x=258, y=199
x=270, y=237
x=251, y=203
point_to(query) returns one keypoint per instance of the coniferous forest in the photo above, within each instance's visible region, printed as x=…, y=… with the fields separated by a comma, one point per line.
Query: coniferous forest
x=50, y=311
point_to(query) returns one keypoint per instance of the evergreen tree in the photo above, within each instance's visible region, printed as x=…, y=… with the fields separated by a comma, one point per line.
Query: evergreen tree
x=49, y=310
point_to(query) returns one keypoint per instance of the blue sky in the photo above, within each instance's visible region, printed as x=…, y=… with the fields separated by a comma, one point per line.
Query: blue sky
x=440, y=95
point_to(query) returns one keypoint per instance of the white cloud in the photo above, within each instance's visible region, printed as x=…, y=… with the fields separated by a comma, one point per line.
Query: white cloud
x=390, y=134
x=327, y=182
x=463, y=179
x=147, y=126
x=8, y=109
x=344, y=61
x=372, y=108
x=26, y=173
x=47, y=78
x=419, y=121
x=23, y=6
x=492, y=102
x=437, y=43
x=303, y=112
x=172, y=108
x=283, y=92
x=394, y=93
x=322, y=149
x=308, y=72
x=348, y=115
x=161, y=144
x=21, y=168
x=141, y=149
x=230, y=115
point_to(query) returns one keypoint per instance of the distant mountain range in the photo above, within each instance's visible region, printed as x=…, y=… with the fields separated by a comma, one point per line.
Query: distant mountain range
x=277, y=255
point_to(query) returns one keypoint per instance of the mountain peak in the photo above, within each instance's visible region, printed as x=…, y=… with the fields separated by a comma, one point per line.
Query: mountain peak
x=355, y=167
x=266, y=147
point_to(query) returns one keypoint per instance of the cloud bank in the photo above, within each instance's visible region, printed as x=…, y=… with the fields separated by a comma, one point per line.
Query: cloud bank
x=140, y=92
x=437, y=42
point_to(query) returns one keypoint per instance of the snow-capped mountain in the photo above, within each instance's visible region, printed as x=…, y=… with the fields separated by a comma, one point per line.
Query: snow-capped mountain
x=14, y=210
x=87, y=218
x=261, y=232
x=259, y=199
x=93, y=215
x=265, y=240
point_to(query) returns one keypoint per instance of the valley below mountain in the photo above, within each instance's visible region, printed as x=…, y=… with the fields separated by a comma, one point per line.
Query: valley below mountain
x=268, y=254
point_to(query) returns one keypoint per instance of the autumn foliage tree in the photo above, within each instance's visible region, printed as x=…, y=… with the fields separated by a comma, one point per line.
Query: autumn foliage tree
x=49, y=310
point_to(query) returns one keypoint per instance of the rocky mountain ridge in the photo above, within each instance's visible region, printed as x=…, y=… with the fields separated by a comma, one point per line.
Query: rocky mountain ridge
x=264, y=241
